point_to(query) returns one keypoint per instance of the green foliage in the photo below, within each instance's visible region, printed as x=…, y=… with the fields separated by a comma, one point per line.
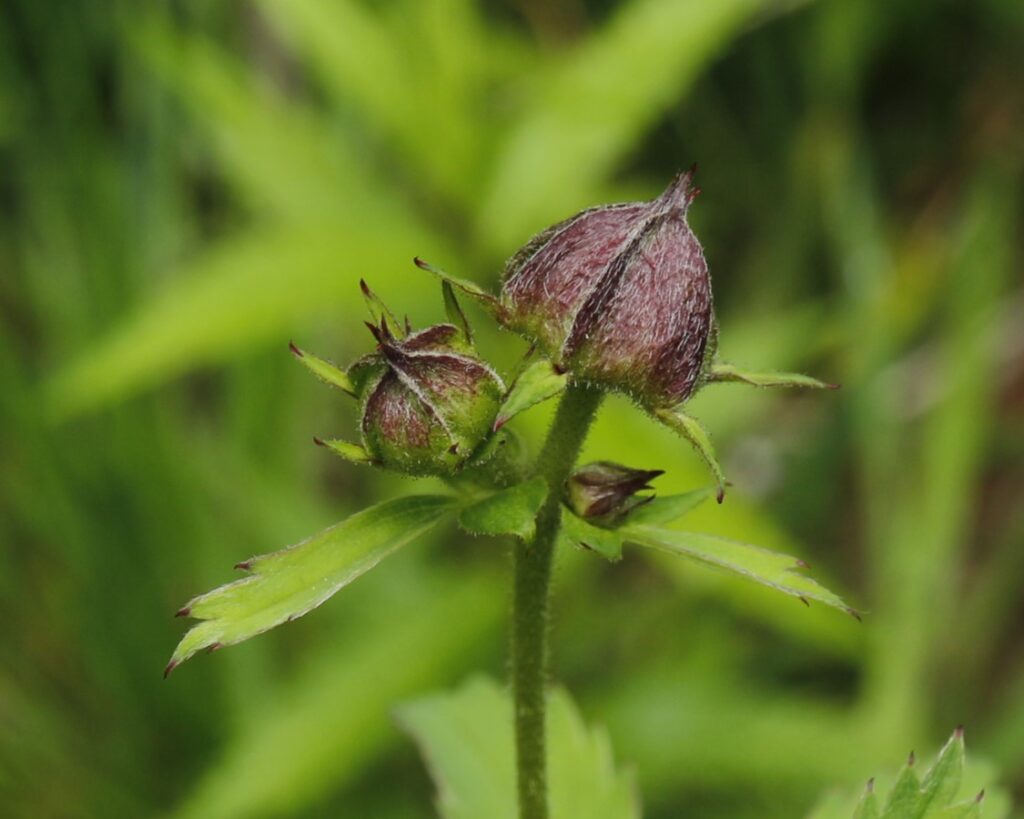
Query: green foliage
x=941, y=794
x=287, y=584
x=511, y=511
x=466, y=739
x=729, y=372
x=781, y=572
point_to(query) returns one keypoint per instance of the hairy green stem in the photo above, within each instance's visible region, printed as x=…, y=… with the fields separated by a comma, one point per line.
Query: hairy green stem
x=530, y=603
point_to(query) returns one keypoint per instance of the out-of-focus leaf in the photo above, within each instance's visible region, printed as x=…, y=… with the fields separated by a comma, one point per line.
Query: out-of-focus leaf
x=778, y=571
x=243, y=293
x=606, y=542
x=511, y=511
x=329, y=721
x=287, y=584
x=538, y=382
x=588, y=111
x=466, y=738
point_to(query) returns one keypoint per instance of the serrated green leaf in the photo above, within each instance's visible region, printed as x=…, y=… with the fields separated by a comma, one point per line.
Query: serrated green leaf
x=731, y=373
x=606, y=542
x=467, y=740
x=668, y=508
x=289, y=583
x=778, y=571
x=511, y=511
x=324, y=370
x=538, y=382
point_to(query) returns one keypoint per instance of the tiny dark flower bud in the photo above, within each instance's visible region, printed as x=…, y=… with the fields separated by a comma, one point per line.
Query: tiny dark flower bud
x=619, y=296
x=605, y=492
x=430, y=403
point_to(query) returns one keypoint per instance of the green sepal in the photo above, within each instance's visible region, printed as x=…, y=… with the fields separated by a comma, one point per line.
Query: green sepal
x=325, y=370
x=471, y=289
x=511, y=511
x=664, y=509
x=349, y=451
x=729, y=372
x=453, y=310
x=779, y=571
x=380, y=312
x=690, y=429
x=538, y=382
x=942, y=782
x=286, y=584
x=605, y=542
x=902, y=801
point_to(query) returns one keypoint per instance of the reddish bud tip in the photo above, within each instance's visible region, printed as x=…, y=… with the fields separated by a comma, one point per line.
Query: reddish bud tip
x=422, y=265
x=173, y=664
x=184, y=611
x=318, y=441
x=499, y=422
x=295, y=350
x=214, y=647
x=365, y=288
x=244, y=565
x=802, y=564
x=720, y=494
x=374, y=331
x=958, y=732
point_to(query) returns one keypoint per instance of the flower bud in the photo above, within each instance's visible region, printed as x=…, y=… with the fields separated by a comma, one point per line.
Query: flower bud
x=619, y=296
x=431, y=403
x=605, y=492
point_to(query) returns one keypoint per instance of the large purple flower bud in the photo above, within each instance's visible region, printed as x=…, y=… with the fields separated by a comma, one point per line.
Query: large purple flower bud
x=428, y=403
x=619, y=296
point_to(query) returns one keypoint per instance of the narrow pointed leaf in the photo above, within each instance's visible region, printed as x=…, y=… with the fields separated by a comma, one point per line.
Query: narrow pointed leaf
x=691, y=429
x=466, y=738
x=729, y=372
x=867, y=808
x=471, y=289
x=606, y=542
x=324, y=370
x=538, y=382
x=453, y=310
x=379, y=311
x=778, y=571
x=669, y=508
x=511, y=511
x=286, y=584
x=350, y=452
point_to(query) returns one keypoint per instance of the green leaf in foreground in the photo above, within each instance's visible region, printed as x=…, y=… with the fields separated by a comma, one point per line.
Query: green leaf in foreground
x=511, y=511
x=779, y=571
x=466, y=738
x=949, y=790
x=538, y=382
x=286, y=584
x=668, y=508
x=606, y=542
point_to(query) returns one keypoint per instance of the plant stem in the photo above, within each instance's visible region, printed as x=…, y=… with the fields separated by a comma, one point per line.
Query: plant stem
x=530, y=606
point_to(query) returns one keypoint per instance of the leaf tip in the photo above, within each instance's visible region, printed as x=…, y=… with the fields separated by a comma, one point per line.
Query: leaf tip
x=499, y=422
x=184, y=611
x=295, y=350
x=173, y=664
x=214, y=647
x=958, y=733
x=911, y=760
x=244, y=565
x=318, y=441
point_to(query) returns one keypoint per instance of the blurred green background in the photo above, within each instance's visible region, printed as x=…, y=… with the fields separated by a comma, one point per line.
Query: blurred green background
x=185, y=186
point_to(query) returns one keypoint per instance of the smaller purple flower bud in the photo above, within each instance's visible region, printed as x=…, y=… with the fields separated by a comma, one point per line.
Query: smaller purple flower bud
x=605, y=492
x=429, y=403
x=619, y=296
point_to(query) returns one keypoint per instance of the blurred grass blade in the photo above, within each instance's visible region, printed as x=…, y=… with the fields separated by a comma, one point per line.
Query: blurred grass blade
x=466, y=738
x=287, y=584
x=778, y=571
x=588, y=111
x=511, y=511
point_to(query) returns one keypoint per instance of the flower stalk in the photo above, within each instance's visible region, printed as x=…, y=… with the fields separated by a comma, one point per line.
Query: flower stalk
x=530, y=618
